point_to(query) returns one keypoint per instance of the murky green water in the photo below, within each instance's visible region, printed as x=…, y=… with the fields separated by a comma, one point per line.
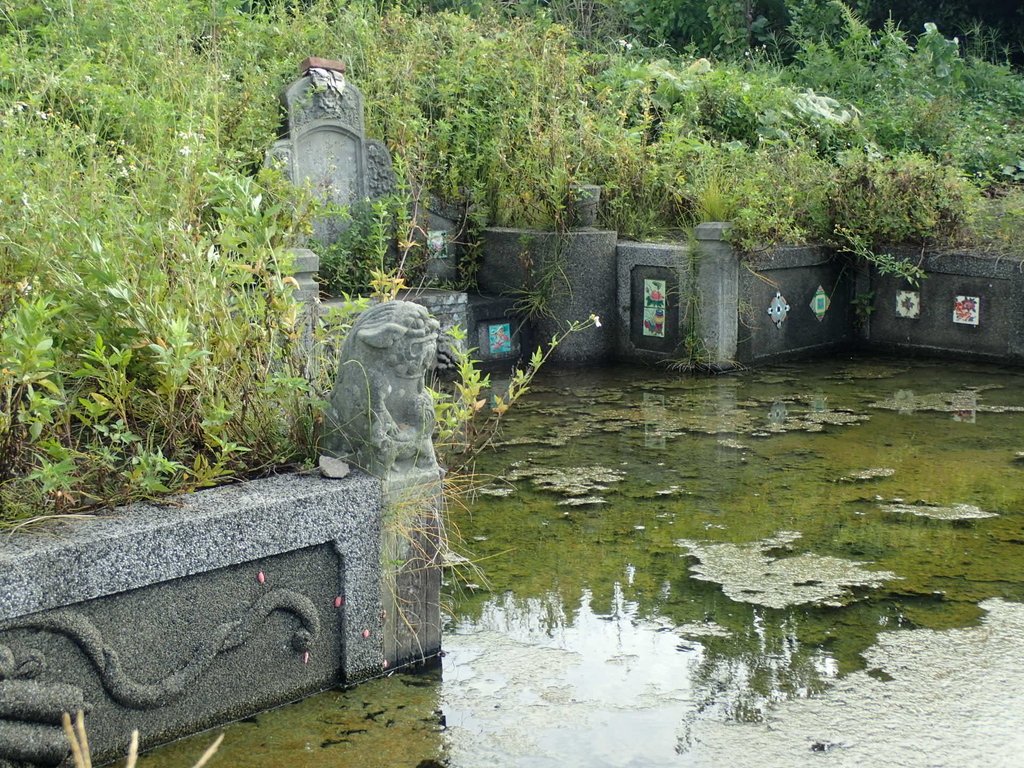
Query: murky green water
x=814, y=563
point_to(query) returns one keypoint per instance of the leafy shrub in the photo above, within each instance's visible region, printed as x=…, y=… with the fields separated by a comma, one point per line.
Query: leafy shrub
x=909, y=199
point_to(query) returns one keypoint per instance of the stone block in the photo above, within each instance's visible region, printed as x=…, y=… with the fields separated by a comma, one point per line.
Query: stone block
x=324, y=144
x=316, y=62
x=653, y=278
x=176, y=617
x=993, y=333
x=497, y=333
x=782, y=312
x=717, y=291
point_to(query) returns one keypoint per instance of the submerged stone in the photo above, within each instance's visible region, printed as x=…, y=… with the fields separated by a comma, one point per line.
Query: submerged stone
x=496, y=490
x=582, y=501
x=568, y=481
x=748, y=574
x=735, y=445
x=862, y=372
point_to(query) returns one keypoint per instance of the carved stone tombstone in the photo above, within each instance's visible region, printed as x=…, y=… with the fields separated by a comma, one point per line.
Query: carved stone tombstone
x=325, y=146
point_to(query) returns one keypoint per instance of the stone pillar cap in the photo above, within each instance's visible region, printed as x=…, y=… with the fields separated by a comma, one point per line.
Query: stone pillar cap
x=713, y=230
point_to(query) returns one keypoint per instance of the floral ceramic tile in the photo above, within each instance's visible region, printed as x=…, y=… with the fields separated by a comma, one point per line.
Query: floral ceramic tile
x=654, y=293
x=966, y=310
x=654, y=321
x=908, y=304
x=655, y=304
x=437, y=244
x=778, y=309
x=499, y=339
x=820, y=303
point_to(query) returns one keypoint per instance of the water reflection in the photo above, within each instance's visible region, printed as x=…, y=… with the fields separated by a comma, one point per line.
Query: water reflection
x=574, y=676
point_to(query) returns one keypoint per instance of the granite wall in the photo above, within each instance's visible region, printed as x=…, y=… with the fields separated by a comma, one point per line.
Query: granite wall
x=968, y=306
x=794, y=301
x=176, y=617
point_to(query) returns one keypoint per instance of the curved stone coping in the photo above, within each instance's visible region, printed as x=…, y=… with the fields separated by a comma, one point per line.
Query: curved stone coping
x=68, y=562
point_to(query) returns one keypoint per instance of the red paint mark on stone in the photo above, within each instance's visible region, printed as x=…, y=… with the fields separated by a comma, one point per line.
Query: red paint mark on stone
x=305, y=658
x=261, y=577
x=366, y=633
x=339, y=601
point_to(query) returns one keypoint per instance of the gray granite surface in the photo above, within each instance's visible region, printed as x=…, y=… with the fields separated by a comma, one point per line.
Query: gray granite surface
x=177, y=617
x=66, y=562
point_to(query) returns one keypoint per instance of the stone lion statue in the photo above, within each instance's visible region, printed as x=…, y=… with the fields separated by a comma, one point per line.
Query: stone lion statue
x=381, y=416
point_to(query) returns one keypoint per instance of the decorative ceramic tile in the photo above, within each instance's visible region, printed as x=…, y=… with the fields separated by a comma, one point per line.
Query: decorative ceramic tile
x=966, y=310
x=908, y=304
x=654, y=293
x=778, y=309
x=437, y=244
x=820, y=303
x=499, y=339
x=654, y=321
x=655, y=303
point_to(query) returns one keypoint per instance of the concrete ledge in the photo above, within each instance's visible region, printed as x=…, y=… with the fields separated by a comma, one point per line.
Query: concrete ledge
x=171, y=619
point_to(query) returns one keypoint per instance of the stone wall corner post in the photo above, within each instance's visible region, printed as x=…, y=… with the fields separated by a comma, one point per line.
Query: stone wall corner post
x=381, y=419
x=305, y=264
x=718, y=292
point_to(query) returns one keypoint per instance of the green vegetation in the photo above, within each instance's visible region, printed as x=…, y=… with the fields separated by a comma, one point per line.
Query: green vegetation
x=149, y=341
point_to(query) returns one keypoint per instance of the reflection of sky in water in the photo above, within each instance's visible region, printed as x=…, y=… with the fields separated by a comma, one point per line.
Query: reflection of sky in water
x=521, y=688
x=523, y=685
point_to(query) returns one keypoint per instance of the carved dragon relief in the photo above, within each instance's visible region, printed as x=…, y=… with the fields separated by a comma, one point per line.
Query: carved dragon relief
x=130, y=693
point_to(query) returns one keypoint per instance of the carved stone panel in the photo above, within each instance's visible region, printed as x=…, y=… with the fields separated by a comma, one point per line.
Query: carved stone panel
x=171, y=657
x=329, y=160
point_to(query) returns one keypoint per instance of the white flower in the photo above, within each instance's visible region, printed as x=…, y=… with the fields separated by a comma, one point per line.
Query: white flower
x=596, y=320
x=185, y=151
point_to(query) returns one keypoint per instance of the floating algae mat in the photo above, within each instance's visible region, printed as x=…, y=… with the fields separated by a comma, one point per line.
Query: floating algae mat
x=803, y=564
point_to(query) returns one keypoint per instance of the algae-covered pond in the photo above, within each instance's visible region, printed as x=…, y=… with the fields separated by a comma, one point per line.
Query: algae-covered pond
x=814, y=563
